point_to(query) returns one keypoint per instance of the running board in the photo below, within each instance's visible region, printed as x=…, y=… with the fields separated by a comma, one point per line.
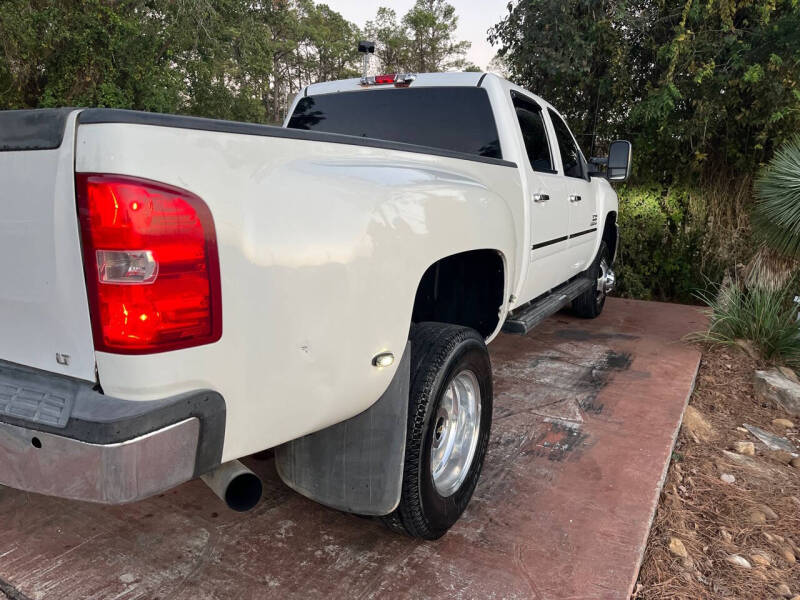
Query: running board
x=526, y=318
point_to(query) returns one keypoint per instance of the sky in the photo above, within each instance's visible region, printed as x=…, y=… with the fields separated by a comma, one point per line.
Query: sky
x=474, y=18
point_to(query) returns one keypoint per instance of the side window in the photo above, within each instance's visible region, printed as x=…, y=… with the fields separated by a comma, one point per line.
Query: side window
x=570, y=155
x=534, y=134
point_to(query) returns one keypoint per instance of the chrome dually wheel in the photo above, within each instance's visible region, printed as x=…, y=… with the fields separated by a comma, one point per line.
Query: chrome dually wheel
x=590, y=303
x=455, y=433
x=449, y=423
x=605, y=280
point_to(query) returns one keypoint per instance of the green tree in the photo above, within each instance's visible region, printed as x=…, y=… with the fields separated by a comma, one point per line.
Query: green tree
x=229, y=59
x=433, y=47
x=699, y=86
x=334, y=43
x=392, y=42
x=573, y=53
x=86, y=53
x=720, y=85
x=422, y=42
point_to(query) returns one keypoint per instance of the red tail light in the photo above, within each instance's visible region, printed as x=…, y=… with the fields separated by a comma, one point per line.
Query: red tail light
x=151, y=265
x=383, y=79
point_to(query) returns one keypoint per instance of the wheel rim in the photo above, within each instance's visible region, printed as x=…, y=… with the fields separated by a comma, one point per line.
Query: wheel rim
x=605, y=281
x=456, y=429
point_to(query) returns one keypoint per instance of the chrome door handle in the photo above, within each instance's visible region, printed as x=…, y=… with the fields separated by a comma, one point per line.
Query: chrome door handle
x=575, y=198
x=541, y=197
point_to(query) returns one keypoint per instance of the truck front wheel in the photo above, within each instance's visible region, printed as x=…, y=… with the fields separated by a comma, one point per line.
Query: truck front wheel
x=590, y=304
x=449, y=418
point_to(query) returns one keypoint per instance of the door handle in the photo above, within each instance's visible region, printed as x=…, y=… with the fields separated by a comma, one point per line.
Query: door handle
x=541, y=197
x=575, y=198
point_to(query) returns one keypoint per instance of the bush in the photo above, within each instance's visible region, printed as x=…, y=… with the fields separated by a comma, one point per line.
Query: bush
x=658, y=257
x=776, y=218
x=674, y=240
x=766, y=317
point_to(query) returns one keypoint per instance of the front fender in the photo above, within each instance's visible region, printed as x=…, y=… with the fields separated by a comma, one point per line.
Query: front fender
x=607, y=203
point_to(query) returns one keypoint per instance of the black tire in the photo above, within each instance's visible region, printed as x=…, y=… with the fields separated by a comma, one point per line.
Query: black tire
x=439, y=352
x=590, y=304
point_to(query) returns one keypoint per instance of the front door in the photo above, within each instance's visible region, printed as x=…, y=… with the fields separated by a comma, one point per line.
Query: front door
x=581, y=197
x=549, y=207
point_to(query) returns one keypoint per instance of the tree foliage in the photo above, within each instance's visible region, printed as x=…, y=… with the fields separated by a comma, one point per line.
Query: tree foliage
x=699, y=86
x=573, y=53
x=391, y=41
x=422, y=41
x=432, y=47
x=228, y=59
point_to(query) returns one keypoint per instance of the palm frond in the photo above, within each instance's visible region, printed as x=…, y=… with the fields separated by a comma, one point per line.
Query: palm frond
x=768, y=269
x=776, y=216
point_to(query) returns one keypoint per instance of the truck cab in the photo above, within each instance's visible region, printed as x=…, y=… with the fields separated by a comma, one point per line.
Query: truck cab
x=562, y=214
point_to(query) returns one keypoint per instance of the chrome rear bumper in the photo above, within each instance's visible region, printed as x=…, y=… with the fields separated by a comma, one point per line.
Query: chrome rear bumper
x=45, y=463
x=61, y=437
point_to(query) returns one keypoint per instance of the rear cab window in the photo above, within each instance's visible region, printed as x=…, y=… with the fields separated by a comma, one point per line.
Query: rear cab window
x=458, y=119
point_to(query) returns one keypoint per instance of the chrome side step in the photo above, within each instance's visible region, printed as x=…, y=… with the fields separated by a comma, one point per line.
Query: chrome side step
x=525, y=318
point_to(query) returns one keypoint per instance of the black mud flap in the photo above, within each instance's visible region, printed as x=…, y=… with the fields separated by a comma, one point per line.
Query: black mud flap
x=356, y=465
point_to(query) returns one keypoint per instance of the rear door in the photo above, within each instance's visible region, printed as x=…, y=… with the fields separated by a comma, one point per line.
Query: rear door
x=582, y=203
x=44, y=315
x=549, y=209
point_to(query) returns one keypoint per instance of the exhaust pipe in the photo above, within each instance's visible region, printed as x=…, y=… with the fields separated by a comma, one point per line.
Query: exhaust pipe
x=235, y=484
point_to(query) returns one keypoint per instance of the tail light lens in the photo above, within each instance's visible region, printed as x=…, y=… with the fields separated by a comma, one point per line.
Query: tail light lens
x=151, y=265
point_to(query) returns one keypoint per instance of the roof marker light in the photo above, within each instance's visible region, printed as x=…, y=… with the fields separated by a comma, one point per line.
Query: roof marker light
x=398, y=79
x=384, y=79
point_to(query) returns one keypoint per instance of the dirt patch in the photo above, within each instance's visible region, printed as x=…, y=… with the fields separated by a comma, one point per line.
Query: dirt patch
x=755, y=518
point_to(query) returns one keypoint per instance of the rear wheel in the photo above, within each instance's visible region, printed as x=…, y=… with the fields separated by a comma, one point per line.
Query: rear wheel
x=450, y=414
x=590, y=304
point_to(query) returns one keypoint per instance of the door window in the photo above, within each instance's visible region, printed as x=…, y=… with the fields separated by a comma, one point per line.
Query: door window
x=571, y=157
x=534, y=133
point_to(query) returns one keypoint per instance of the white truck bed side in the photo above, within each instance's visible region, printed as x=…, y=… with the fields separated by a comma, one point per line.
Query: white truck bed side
x=321, y=249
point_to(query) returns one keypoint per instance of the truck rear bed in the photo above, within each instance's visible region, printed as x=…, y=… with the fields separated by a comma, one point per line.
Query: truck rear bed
x=298, y=216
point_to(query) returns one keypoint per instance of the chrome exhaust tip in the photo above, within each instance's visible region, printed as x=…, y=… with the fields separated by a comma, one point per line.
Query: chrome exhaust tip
x=236, y=485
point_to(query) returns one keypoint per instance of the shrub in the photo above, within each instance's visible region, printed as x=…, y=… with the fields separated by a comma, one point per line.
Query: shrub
x=776, y=217
x=659, y=247
x=673, y=240
x=766, y=317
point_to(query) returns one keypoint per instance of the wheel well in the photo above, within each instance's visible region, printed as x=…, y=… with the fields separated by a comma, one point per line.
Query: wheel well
x=610, y=234
x=462, y=289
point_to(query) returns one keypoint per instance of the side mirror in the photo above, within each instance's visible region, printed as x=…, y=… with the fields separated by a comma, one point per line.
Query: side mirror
x=619, y=161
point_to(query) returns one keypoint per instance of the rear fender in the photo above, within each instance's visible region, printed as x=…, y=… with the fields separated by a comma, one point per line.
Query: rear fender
x=321, y=247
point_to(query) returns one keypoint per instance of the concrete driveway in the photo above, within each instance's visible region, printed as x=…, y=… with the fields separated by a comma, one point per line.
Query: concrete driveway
x=586, y=413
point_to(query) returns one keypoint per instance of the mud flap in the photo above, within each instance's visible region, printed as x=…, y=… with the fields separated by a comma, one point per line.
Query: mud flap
x=356, y=465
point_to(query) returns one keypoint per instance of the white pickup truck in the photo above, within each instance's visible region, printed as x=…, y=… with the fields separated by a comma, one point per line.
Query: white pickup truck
x=179, y=292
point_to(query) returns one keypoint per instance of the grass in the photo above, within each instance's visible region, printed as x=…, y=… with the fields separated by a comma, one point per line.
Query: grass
x=767, y=317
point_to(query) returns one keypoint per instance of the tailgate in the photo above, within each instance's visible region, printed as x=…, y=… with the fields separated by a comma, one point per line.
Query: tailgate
x=44, y=314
